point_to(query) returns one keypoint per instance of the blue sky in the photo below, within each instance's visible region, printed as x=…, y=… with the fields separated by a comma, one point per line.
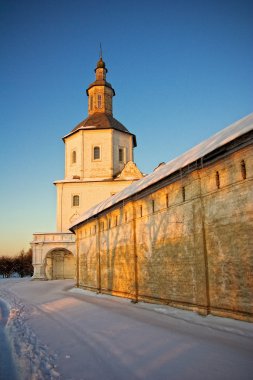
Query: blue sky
x=182, y=70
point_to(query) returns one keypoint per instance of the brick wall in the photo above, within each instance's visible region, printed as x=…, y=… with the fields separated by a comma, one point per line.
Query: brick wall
x=188, y=244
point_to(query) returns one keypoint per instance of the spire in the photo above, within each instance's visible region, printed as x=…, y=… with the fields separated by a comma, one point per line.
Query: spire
x=100, y=65
x=100, y=51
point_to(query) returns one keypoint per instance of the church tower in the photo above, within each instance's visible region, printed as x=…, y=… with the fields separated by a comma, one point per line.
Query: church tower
x=98, y=155
x=98, y=164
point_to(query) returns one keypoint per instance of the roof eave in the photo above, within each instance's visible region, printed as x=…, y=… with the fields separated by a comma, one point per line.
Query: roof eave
x=97, y=128
x=106, y=84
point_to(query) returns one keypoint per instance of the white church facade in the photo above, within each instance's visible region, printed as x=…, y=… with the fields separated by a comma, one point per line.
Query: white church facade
x=99, y=162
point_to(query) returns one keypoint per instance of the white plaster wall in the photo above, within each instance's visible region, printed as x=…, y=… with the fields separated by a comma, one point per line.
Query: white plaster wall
x=121, y=140
x=90, y=193
x=101, y=168
x=74, y=142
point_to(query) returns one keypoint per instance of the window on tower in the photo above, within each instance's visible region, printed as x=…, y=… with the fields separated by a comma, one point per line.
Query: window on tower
x=73, y=157
x=91, y=102
x=121, y=155
x=96, y=153
x=75, y=200
x=99, y=101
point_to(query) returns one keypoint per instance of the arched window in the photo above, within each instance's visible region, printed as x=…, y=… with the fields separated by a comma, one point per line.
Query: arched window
x=99, y=101
x=96, y=153
x=75, y=200
x=73, y=157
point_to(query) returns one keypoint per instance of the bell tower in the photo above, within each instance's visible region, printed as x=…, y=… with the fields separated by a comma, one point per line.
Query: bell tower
x=100, y=92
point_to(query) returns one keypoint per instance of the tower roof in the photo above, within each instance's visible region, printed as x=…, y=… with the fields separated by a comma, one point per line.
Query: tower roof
x=101, y=64
x=100, y=120
x=100, y=105
x=100, y=80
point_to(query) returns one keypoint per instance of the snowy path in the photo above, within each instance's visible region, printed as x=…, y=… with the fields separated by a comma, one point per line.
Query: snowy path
x=59, y=333
x=7, y=369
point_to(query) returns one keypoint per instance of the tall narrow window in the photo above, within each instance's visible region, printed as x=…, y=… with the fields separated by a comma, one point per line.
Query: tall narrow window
x=75, y=200
x=116, y=220
x=125, y=217
x=73, y=157
x=141, y=210
x=217, y=179
x=183, y=193
x=153, y=205
x=167, y=200
x=99, y=101
x=96, y=153
x=121, y=155
x=243, y=169
x=91, y=102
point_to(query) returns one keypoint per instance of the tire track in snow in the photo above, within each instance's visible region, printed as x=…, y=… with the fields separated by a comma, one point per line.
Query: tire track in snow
x=32, y=359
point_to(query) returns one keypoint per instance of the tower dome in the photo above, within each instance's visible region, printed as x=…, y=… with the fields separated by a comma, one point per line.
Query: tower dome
x=101, y=64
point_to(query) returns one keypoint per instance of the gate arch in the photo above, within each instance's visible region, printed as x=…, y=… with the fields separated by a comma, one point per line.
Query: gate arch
x=60, y=264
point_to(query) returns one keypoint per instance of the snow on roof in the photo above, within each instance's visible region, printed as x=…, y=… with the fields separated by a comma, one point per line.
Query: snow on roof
x=219, y=139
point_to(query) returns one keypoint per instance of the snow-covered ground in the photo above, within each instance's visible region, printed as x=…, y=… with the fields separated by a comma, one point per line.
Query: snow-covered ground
x=59, y=332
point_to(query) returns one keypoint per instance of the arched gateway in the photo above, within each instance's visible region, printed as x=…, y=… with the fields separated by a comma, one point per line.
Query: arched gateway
x=59, y=264
x=54, y=256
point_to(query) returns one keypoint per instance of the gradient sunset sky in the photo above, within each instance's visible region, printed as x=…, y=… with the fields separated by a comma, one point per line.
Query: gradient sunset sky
x=182, y=70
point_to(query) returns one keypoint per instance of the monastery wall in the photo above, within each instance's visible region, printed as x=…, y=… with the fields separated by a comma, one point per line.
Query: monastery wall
x=188, y=244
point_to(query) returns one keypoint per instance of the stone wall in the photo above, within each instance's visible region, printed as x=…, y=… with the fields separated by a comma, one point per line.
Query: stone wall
x=188, y=244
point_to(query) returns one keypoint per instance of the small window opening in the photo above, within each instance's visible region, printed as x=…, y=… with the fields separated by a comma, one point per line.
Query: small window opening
x=91, y=102
x=167, y=200
x=95, y=229
x=109, y=223
x=75, y=200
x=116, y=220
x=121, y=155
x=99, y=101
x=153, y=205
x=217, y=178
x=243, y=169
x=73, y=157
x=183, y=193
x=125, y=217
x=96, y=153
x=141, y=210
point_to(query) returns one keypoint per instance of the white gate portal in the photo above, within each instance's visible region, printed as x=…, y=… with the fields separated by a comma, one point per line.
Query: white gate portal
x=59, y=265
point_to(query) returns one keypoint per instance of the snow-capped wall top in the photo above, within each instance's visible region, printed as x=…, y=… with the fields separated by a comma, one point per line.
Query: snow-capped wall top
x=219, y=139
